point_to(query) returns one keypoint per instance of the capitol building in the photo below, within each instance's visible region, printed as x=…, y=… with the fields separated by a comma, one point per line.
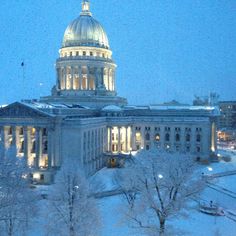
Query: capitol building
x=85, y=119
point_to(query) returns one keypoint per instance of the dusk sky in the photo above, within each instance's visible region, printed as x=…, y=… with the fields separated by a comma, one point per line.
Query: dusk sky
x=164, y=49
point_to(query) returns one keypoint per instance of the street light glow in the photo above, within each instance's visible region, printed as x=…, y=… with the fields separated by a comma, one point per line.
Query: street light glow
x=160, y=176
x=210, y=168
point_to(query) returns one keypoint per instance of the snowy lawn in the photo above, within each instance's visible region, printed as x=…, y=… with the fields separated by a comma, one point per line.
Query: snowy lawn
x=195, y=223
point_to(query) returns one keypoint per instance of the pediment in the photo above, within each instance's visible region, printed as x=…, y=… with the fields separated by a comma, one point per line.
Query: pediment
x=20, y=110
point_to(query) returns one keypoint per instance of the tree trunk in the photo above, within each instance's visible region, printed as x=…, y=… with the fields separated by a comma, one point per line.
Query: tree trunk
x=162, y=227
x=10, y=232
x=72, y=232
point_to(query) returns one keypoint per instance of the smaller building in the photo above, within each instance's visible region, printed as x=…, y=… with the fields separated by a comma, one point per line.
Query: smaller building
x=227, y=118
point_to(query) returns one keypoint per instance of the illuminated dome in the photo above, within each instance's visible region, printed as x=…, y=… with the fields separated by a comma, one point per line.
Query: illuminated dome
x=85, y=31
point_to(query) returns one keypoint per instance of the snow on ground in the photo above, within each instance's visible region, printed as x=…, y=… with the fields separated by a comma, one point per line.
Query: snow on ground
x=197, y=223
x=228, y=182
x=105, y=178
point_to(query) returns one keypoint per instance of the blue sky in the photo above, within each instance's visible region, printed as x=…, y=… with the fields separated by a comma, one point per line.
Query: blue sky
x=164, y=49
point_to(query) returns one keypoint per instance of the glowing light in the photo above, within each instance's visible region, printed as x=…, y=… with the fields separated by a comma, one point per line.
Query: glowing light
x=218, y=155
x=36, y=176
x=210, y=168
x=160, y=176
x=24, y=176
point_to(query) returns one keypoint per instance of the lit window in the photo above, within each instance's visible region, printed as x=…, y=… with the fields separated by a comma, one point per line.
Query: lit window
x=157, y=137
x=138, y=137
x=33, y=131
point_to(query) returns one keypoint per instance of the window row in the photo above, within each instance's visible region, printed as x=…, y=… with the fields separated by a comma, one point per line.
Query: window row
x=84, y=53
x=167, y=137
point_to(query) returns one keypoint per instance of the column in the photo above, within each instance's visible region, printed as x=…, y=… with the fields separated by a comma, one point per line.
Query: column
x=126, y=139
x=88, y=78
x=58, y=79
x=119, y=146
x=13, y=136
x=143, y=141
x=213, y=137
x=2, y=144
x=132, y=141
x=50, y=148
x=113, y=81
x=26, y=132
x=110, y=147
x=193, y=140
x=72, y=77
x=80, y=77
x=17, y=139
x=183, y=139
x=108, y=79
x=102, y=77
x=64, y=76
x=38, y=138
x=162, y=139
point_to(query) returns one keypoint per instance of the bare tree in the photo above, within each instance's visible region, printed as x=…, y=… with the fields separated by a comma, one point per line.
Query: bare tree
x=156, y=187
x=17, y=200
x=72, y=211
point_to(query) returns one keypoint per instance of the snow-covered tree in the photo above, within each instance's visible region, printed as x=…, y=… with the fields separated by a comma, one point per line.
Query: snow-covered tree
x=17, y=200
x=73, y=211
x=156, y=187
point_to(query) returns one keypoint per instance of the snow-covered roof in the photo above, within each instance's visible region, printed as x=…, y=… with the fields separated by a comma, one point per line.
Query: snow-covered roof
x=111, y=108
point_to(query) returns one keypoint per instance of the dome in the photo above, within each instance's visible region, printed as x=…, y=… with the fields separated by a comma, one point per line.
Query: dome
x=85, y=31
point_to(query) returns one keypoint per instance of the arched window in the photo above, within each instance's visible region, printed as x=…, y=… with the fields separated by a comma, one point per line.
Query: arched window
x=138, y=136
x=147, y=136
x=167, y=137
x=187, y=138
x=177, y=137
x=198, y=138
x=157, y=137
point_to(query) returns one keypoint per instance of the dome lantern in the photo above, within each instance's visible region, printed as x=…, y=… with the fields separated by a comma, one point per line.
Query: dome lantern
x=85, y=8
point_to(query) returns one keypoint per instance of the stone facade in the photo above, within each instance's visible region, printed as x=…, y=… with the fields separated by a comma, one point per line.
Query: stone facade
x=84, y=118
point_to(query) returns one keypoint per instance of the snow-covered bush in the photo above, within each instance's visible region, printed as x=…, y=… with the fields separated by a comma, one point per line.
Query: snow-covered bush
x=73, y=211
x=17, y=200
